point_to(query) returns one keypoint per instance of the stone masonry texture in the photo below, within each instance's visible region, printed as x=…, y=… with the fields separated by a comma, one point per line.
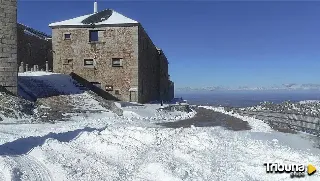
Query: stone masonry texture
x=114, y=42
x=33, y=50
x=138, y=80
x=8, y=45
x=149, y=72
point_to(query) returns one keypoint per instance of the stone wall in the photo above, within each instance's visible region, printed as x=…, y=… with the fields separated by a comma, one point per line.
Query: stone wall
x=164, y=77
x=143, y=76
x=149, y=71
x=114, y=42
x=171, y=91
x=33, y=50
x=8, y=45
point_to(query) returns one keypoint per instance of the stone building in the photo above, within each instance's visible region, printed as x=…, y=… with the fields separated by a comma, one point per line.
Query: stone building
x=34, y=48
x=8, y=46
x=114, y=53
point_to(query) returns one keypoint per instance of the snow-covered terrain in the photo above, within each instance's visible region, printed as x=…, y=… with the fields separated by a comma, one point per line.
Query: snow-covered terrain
x=109, y=147
x=132, y=146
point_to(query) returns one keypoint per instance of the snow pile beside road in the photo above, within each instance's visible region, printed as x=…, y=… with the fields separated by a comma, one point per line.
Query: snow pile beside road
x=255, y=124
x=151, y=112
x=137, y=153
x=105, y=146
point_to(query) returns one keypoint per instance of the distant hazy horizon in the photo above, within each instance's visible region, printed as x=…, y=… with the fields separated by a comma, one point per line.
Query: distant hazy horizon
x=245, y=98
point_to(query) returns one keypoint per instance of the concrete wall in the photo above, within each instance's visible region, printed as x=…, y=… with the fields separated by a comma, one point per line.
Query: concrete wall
x=149, y=71
x=33, y=50
x=8, y=45
x=114, y=42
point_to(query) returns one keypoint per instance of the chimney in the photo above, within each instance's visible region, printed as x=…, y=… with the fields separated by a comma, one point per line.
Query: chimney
x=95, y=7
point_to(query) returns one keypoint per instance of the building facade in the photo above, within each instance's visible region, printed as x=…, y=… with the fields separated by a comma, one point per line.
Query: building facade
x=8, y=46
x=34, y=48
x=112, y=52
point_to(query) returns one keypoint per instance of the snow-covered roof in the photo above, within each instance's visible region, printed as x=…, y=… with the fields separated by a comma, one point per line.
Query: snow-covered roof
x=105, y=17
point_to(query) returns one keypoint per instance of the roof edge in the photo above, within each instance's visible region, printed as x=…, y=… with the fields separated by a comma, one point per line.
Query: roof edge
x=95, y=26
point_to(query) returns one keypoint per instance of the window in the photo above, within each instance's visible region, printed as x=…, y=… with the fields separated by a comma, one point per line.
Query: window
x=117, y=92
x=117, y=62
x=67, y=36
x=88, y=62
x=109, y=88
x=93, y=35
x=67, y=61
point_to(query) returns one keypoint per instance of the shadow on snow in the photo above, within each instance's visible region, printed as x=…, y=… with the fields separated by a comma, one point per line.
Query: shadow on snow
x=25, y=145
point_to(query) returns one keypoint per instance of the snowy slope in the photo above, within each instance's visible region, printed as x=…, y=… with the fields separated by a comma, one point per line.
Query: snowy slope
x=109, y=147
x=45, y=84
x=140, y=153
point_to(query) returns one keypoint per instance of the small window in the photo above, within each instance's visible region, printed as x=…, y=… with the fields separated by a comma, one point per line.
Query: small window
x=117, y=92
x=109, y=88
x=88, y=62
x=93, y=35
x=67, y=61
x=117, y=62
x=67, y=36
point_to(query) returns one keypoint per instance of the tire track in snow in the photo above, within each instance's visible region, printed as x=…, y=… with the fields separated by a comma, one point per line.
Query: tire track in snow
x=80, y=163
x=28, y=168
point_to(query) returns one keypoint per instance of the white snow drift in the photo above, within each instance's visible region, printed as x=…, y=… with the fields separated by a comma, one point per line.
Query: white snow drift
x=132, y=148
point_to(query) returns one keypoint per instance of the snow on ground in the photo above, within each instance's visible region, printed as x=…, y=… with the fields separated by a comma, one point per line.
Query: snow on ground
x=309, y=101
x=109, y=147
x=149, y=112
x=47, y=83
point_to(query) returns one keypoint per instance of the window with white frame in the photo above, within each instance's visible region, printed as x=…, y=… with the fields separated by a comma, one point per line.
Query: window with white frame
x=88, y=62
x=117, y=62
x=109, y=88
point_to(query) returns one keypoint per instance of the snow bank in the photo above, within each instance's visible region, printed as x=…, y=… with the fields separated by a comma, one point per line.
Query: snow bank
x=255, y=124
x=137, y=153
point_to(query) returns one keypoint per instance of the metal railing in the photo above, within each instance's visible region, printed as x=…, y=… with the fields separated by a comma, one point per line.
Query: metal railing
x=311, y=127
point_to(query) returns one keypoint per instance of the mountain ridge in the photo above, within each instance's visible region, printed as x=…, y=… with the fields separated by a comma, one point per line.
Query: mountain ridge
x=288, y=87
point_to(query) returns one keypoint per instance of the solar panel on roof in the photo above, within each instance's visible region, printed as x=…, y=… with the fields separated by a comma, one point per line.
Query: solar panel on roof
x=98, y=17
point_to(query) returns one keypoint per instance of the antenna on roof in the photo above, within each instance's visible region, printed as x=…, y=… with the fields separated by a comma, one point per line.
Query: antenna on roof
x=95, y=7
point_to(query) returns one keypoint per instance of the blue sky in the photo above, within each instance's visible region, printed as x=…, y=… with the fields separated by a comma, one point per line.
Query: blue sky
x=211, y=43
